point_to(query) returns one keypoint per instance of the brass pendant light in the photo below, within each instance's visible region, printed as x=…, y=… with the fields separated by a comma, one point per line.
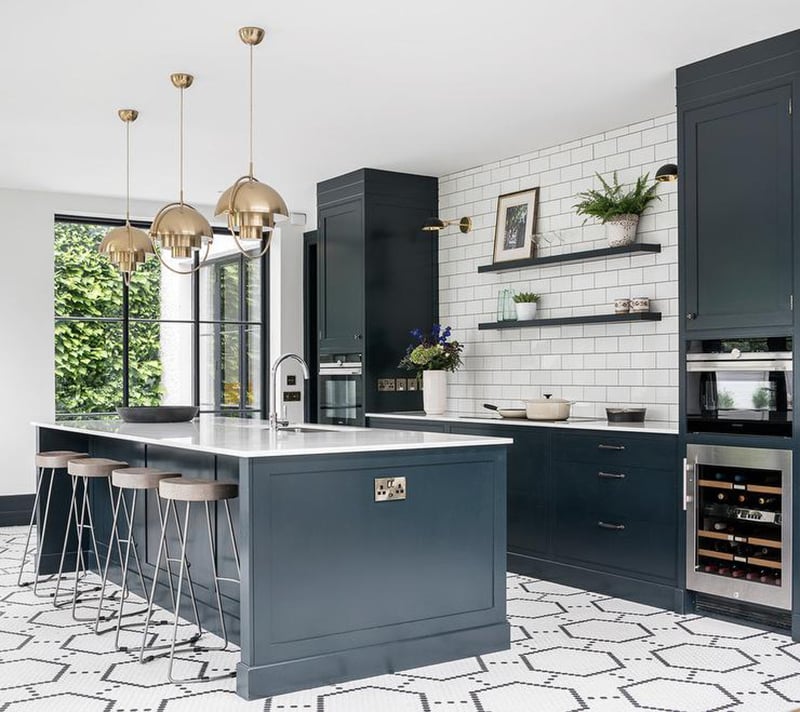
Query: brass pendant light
x=127, y=247
x=179, y=229
x=251, y=206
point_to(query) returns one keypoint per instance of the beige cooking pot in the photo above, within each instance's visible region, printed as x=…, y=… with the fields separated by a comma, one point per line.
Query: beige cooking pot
x=547, y=408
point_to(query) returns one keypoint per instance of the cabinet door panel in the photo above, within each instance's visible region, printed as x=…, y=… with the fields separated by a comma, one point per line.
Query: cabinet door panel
x=738, y=211
x=341, y=274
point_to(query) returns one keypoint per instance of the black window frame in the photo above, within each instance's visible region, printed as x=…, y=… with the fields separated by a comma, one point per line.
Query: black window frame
x=195, y=321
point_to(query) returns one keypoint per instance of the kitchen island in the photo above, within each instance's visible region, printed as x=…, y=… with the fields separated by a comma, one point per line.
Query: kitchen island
x=334, y=584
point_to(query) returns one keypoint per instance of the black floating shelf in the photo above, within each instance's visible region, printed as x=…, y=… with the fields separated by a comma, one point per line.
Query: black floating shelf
x=565, y=320
x=573, y=257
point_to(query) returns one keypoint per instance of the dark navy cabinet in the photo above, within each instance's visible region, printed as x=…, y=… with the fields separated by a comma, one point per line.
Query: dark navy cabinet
x=378, y=273
x=341, y=275
x=599, y=510
x=737, y=170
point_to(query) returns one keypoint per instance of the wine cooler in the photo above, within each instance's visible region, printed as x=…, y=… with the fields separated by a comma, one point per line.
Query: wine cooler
x=739, y=523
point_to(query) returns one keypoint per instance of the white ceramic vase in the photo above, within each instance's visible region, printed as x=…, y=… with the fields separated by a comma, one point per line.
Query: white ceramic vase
x=434, y=392
x=621, y=230
x=526, y=310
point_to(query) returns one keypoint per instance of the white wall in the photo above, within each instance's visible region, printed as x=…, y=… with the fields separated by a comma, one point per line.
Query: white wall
x=597, y=365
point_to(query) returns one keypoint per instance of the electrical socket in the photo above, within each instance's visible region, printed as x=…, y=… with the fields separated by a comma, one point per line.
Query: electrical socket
x=390, y=488
x=412, y=384
x=386, y=384
x=291, y=396
x=291, y=380
x=400, y=384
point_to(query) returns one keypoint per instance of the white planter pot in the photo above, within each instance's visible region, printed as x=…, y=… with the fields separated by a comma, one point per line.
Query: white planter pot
x=621, y=230
x=526, y=310
x=434, y=392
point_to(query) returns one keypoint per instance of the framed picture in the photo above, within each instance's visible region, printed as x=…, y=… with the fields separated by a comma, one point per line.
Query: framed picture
x=516, y=225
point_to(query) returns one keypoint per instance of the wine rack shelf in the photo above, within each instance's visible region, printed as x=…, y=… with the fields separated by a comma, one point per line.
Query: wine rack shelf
x=750, y=560
x=758, y=489
x=754, y=540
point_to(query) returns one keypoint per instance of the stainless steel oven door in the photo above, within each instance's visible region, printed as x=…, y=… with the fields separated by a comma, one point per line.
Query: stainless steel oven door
x=340, y=395
x=750, y=394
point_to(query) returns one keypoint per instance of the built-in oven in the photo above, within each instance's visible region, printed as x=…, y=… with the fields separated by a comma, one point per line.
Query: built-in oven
x=739, y=386
x=738, y=505
x=341, y=389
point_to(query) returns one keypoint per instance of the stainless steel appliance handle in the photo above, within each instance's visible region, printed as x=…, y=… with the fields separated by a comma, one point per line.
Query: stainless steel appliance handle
x=742, y=356
x=756, y=365
x=687, y=470
x=339, y=371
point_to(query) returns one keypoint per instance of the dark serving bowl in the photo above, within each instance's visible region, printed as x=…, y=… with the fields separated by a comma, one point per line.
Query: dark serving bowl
x=158, y=413
x=625, y=415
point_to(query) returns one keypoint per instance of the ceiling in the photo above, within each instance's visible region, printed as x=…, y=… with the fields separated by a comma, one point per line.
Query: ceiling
x=426, y=86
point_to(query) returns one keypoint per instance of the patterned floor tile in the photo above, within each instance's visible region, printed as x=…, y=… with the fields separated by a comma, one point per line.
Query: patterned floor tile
x=572, y=650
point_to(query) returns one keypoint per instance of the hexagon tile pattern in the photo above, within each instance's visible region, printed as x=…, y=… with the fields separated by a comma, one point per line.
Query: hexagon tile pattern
x=571, y=651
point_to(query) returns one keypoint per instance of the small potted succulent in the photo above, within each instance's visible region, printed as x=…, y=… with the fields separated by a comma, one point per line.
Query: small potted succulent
x=525, y=304
x=618, y=210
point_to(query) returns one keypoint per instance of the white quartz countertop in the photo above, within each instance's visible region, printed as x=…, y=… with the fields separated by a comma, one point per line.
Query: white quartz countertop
x=601, y=424
x=238, y=437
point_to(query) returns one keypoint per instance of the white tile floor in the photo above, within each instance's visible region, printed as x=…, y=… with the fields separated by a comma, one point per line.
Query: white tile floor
x=572, y=650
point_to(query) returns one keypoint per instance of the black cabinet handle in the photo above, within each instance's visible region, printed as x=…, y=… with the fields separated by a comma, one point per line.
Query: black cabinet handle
x=356, y=337
x=613, y=527
x=603, y=446
x=611, y=475
x=691, y=315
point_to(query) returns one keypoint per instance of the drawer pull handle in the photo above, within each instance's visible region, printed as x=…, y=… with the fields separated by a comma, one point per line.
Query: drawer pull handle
x=611, y=475
x=603, y=446
x=614, y=527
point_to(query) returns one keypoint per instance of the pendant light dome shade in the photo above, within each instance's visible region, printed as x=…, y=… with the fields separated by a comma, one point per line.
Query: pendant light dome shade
x=178, y=228
x=127, y=247
x=181, y=230
x=251, y=208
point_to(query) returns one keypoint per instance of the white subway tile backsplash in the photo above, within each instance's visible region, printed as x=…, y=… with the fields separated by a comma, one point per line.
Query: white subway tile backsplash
x=631, y=363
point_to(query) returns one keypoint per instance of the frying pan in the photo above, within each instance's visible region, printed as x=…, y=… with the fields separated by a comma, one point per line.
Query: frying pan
x=506, y=412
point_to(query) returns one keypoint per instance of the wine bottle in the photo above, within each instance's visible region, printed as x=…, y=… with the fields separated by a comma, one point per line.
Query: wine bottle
x=739, y=478
x=721, y=526
x=738, y=571
x=768, y=502
x=741, y=499
x=722, y=497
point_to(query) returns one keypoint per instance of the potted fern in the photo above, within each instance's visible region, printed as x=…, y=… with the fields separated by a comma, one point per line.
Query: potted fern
x=617, y=209
x=525, y=304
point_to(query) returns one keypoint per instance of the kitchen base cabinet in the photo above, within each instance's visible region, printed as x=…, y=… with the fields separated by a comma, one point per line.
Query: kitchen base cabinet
x=597, y=510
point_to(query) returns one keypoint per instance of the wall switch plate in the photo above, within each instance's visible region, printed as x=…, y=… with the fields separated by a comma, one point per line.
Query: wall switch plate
x=291, y=396
x=388, y=489
x=385, y=384
x=291, y=380
x=412, y=384
x=400, y=384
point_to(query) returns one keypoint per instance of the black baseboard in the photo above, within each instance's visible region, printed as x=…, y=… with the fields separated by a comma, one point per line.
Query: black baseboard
x=15, y=509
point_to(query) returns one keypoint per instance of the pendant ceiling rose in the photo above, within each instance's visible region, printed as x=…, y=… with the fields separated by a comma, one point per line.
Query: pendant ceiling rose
x=126, y=247
x=250, y=206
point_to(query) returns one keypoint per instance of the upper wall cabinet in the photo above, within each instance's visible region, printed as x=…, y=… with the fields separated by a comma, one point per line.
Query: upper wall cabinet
x=736, y=175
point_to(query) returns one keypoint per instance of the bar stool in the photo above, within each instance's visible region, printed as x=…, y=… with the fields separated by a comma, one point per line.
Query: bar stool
x=135, y=480
x=50, y=460
x=188, y=491
x=85, y=469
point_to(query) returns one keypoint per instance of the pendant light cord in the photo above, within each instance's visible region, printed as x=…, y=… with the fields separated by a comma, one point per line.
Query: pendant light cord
x=251, y=111
x=180, y=145
x=128, y=188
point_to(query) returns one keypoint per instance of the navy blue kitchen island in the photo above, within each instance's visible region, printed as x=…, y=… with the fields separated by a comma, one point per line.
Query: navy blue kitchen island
x=334, y=584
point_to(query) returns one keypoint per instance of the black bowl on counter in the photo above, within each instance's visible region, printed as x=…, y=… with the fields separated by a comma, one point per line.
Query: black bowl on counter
x=157, y=413
x=625, y=415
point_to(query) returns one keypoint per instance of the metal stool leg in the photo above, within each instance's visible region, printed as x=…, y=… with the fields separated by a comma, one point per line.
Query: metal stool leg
x=40, y=538
x=73, y=511
x=163, y=549
x=184, y=539
x=86, y=514
x=114, y=533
